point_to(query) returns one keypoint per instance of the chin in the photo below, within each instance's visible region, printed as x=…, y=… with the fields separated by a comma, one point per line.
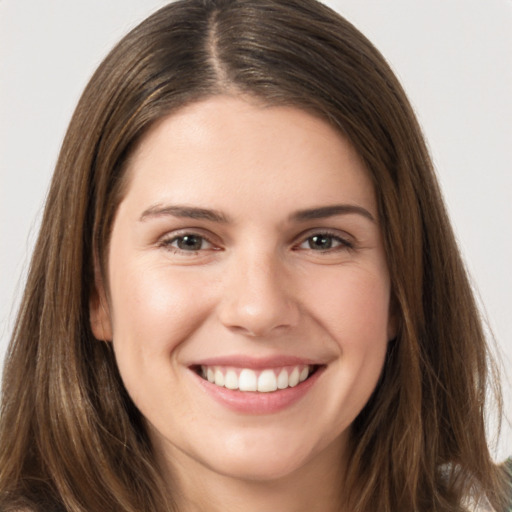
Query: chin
x=263, y=470
x=266, y=456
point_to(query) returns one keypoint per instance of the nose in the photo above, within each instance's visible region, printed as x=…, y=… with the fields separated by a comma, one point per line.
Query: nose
x=258, y=298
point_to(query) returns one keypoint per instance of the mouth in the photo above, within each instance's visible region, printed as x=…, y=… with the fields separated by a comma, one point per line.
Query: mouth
x=259, y=386
x=265, y=380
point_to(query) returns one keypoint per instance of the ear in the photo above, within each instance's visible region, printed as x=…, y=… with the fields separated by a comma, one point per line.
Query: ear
x=99, y=313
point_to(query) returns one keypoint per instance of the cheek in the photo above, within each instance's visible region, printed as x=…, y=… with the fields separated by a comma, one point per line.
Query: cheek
x=154, y=311
x=355, y=313
x=357, y=320
x=354, y=306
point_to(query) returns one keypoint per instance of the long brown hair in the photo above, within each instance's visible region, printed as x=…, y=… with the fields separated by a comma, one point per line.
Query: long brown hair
x=70, y=437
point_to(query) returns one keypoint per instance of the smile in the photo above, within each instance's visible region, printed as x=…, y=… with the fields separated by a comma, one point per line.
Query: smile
x=262, y=381
x=257, y=386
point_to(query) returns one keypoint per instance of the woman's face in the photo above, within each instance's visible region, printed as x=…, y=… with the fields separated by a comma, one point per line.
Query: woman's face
x=248, y=289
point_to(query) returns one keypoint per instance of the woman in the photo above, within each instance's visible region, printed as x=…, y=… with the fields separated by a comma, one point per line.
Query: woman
x=246, y=293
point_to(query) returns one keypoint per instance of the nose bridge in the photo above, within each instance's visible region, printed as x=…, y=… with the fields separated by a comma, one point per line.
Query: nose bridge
x=257, y=296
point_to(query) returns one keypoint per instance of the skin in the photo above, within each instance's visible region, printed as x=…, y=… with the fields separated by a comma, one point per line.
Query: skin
x=256, y=284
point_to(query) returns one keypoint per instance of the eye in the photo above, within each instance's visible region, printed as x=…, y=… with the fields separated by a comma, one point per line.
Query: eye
x=323, y=242
x=188, y=242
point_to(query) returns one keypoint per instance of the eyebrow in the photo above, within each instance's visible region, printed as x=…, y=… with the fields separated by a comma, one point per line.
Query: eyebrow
x=330, y=211
x=192, y=212
x=189, y=212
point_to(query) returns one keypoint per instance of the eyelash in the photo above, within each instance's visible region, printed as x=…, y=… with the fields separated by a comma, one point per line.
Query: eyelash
x=342, y=243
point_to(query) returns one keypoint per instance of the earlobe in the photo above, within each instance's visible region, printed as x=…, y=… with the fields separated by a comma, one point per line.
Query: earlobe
x=99, y=314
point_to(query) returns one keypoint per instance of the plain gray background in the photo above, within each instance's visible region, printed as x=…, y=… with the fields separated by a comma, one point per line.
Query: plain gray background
x=454, y=58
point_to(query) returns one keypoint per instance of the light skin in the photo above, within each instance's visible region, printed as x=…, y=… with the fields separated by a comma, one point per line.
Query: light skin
x=247, y=230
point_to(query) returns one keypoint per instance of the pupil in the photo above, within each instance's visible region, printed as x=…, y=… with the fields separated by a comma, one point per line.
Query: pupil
x=190, y=242
x=320, y=242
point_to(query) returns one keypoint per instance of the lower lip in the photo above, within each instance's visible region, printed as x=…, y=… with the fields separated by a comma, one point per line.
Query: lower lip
x=250, y=402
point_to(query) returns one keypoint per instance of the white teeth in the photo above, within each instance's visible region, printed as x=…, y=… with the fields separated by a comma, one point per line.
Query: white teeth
x=293, y=379
x=267, y=381
x=248, y=381
x=282, y=379
x=231, y=380
x=219, y=378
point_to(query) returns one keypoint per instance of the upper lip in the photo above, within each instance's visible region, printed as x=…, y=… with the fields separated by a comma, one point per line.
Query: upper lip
x=256, y=363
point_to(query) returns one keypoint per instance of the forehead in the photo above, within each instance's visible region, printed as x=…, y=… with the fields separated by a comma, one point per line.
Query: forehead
x=225, y=147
